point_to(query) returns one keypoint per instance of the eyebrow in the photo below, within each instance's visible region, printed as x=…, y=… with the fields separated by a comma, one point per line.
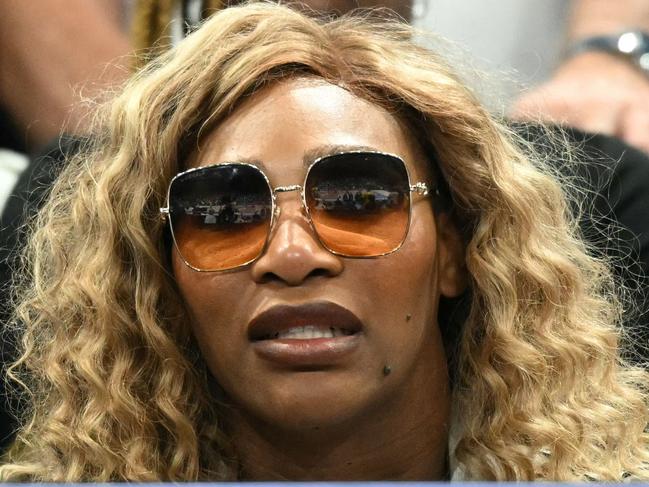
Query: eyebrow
x=312, y=154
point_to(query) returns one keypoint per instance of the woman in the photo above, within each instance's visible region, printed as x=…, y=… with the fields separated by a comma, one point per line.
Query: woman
x=250, y=275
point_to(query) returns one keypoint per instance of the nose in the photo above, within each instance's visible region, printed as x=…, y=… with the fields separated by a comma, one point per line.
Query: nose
x=293, y=253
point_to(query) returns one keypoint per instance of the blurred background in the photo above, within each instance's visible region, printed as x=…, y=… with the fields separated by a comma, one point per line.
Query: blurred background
x=517, y=43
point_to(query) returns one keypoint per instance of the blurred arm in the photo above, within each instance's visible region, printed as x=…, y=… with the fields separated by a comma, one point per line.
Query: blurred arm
x=52, y=53
x=594, y=91
x=594, y=17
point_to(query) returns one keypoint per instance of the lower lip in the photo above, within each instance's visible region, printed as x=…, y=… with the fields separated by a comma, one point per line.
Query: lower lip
x=308, y=352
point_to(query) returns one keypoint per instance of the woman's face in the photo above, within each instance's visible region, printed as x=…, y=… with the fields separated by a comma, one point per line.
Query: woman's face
x=395, y=355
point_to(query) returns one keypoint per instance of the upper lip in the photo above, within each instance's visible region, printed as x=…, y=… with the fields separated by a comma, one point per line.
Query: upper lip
x=323, y=314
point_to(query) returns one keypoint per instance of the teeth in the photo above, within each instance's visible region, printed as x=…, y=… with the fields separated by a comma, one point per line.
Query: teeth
x=310, y=331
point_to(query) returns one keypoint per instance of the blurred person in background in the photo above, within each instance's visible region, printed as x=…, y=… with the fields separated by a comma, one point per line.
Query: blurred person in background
x=602, y=86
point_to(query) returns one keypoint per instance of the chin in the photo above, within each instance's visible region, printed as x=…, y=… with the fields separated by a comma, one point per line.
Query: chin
x=312, y=401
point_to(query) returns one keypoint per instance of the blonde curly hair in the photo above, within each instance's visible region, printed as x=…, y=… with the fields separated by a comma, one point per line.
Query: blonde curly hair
x=116, y=388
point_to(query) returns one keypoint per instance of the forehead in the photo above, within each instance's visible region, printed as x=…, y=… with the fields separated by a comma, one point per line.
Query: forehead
x=285, y=126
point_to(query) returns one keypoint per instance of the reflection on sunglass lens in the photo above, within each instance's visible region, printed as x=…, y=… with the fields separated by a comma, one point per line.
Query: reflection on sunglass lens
x=220, y=215
x=359, y=203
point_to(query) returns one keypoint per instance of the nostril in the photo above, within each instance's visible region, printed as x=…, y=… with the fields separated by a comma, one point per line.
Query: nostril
x=269, y=277
x=320, y=273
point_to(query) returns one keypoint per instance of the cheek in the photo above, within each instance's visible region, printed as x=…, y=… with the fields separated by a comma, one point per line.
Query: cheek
x=413, y=268
x=211, y=301
x=404, y=291
x=205, y=294
x=403, y=299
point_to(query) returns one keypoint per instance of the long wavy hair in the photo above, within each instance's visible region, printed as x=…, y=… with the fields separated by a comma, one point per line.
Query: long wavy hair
x=115, y=387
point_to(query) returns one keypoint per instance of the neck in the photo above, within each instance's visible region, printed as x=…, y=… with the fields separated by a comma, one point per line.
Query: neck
x=401, y=441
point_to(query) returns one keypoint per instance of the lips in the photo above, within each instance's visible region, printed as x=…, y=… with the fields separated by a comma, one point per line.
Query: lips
x=310, y=335
x=322, y=315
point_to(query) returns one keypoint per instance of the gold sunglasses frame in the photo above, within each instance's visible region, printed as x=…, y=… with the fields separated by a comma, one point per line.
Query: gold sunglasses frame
x=418, y=187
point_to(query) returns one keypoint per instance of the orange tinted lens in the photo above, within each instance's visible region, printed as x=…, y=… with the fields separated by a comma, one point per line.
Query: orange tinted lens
x=220, y=216
x=359, y=203
x=220, y=248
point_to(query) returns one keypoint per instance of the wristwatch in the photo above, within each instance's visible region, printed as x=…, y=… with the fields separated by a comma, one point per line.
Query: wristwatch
x=632, y=45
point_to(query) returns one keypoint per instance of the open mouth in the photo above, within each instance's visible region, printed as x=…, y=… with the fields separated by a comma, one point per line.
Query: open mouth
x=307, y=332
x=315, y=336
x=304, y=322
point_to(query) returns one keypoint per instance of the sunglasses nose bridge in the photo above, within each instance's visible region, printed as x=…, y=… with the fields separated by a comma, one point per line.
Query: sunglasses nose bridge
x=286, y=189
x=291, y=205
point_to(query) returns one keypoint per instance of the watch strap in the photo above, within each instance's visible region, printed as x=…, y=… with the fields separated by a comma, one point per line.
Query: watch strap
x=632, y=45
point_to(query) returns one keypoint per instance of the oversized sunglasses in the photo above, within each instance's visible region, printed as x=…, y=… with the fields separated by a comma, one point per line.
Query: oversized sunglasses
x=358, y=203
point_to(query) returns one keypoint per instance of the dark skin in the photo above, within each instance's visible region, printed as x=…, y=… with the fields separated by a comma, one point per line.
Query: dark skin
x=398, y=449
x=348, y=419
